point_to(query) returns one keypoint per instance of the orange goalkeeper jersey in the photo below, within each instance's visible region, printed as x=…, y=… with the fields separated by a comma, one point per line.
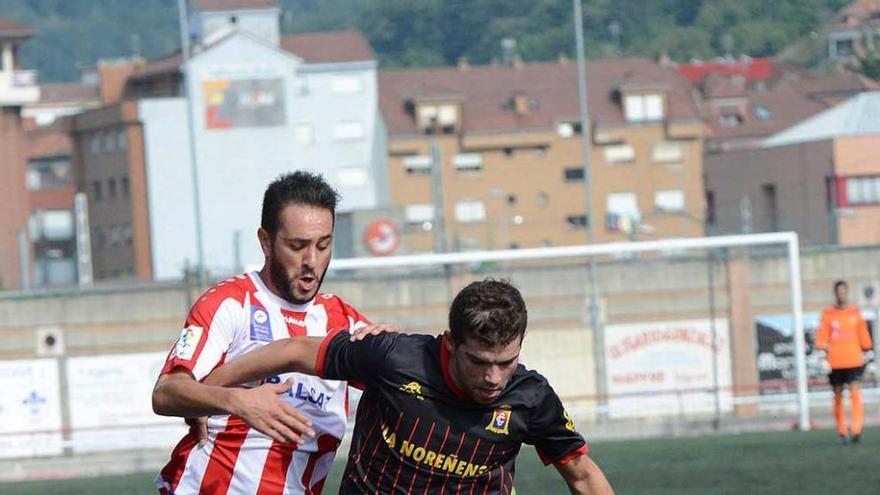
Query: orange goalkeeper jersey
x=844, y=334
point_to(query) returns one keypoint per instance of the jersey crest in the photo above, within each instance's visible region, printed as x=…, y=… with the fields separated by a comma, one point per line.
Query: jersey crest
x=500, y=421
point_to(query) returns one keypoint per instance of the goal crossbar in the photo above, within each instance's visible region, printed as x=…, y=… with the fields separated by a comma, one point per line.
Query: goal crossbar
x=788, y=239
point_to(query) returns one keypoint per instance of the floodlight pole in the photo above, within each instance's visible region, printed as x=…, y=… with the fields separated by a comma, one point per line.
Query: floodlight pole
x=595, y=322
x=193, y=160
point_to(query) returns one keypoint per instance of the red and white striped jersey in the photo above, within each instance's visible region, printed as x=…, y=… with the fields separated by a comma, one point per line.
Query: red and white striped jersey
x=230, y=319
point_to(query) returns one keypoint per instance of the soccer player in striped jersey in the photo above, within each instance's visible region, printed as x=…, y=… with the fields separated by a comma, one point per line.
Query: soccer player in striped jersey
x=843, y=335
x=445, y=414
x=254, y=442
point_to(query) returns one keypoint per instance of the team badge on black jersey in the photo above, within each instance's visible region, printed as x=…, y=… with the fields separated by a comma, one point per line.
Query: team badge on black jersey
x=413, y=388
x=500, y=421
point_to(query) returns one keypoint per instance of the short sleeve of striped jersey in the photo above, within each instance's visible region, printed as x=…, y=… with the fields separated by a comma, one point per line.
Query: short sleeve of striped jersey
x=552, y=431
x=209, y=332
x=361, y=361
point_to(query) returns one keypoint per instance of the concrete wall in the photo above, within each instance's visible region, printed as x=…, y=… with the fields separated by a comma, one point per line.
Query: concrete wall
x=857, y=156
x=13, y=164
x=798, y=173
x=559, y=343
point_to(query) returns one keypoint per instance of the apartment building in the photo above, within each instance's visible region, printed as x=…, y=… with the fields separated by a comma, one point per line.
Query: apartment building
x=510, y=154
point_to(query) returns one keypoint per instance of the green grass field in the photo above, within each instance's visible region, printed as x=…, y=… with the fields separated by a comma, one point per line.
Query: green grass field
x=755, y=463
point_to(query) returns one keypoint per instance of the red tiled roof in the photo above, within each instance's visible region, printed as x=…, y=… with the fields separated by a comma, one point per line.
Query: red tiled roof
x=784, y=104
x=223, y=5
x=322, y=48
x=68, y=92
x=752, y=70
x=10, y=29
x=485, y=93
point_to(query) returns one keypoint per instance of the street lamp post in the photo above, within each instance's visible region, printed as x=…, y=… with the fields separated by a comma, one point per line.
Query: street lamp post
x=193, y=160
x=595, y=323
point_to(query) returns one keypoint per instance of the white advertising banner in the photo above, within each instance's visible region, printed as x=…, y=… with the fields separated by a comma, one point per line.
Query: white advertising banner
x=110, y=403
x=30, y=408
x=665, y=368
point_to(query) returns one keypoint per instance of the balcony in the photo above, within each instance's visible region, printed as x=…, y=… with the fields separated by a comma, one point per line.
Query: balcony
x=18, y=87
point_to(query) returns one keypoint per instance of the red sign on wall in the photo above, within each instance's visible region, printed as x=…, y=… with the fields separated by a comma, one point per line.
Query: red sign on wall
x=382, y=237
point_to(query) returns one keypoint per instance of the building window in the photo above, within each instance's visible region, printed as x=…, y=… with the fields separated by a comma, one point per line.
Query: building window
x=468, y=162
x=438, y=119
x=109, y=141
x=643, y=108
x=568, y=129
x=345, y=84
x=762, y=114
x=574, y=174
x=419, y=213
x=417, y=164
x=114, y=236
x=48, y=173
x=348, y=131
x=304, y=134
x=52, y=225
x=844, y=48
x=352, y=177
x=576, y=221
x=771, y=208
x=621, y=208
x=98, y=236
x=669, y=200
x=95, y=143
x=667, y=151
x=127, y=234
x=470, y=211
x=125, y=188
x=121, y=140
x=111, y=188
x=711, y=209
x=97, y=191
x=863, y=190
x=619, y=153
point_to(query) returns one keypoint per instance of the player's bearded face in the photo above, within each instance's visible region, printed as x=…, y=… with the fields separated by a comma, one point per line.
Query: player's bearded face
x=299, y=253
x=482, y=372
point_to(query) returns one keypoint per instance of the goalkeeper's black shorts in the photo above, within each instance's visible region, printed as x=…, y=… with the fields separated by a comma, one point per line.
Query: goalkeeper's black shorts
x=844, y=376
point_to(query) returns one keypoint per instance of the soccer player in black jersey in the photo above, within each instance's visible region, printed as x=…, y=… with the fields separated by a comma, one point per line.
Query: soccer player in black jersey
x=443, y=414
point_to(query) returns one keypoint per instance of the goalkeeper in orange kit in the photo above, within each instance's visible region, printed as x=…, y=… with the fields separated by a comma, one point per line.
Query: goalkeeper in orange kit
x=844, y=338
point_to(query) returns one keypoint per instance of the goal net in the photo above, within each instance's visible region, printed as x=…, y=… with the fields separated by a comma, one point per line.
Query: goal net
x=686, y=331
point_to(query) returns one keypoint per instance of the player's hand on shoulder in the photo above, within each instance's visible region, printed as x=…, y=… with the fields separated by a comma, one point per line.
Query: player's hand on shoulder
x=373, y=329
x=263, y=409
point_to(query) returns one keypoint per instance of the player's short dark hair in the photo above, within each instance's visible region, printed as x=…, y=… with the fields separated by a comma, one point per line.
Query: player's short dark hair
x=490, y=312
x=839, y=283
x=300, y=187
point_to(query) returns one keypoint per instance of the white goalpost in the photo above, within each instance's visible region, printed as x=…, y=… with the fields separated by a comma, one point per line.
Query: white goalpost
x=788, y=240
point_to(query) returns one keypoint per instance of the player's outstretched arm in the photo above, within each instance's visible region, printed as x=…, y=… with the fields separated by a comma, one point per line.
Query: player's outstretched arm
x=298, y=354
x=179, y=394
x=583, y=476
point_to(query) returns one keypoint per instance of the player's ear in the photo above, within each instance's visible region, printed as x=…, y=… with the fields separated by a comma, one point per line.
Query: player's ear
x=447, y=341
x=265, y=241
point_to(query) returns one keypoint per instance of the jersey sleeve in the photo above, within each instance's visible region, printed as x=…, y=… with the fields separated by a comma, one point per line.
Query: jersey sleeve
x=822, y=332
x=355, y=318
x=360, y=361
x=864, y=334
x=209, y=331
x=552, y=431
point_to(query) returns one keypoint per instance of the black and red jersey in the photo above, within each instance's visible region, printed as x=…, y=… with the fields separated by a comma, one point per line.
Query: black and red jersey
x=417, y=432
